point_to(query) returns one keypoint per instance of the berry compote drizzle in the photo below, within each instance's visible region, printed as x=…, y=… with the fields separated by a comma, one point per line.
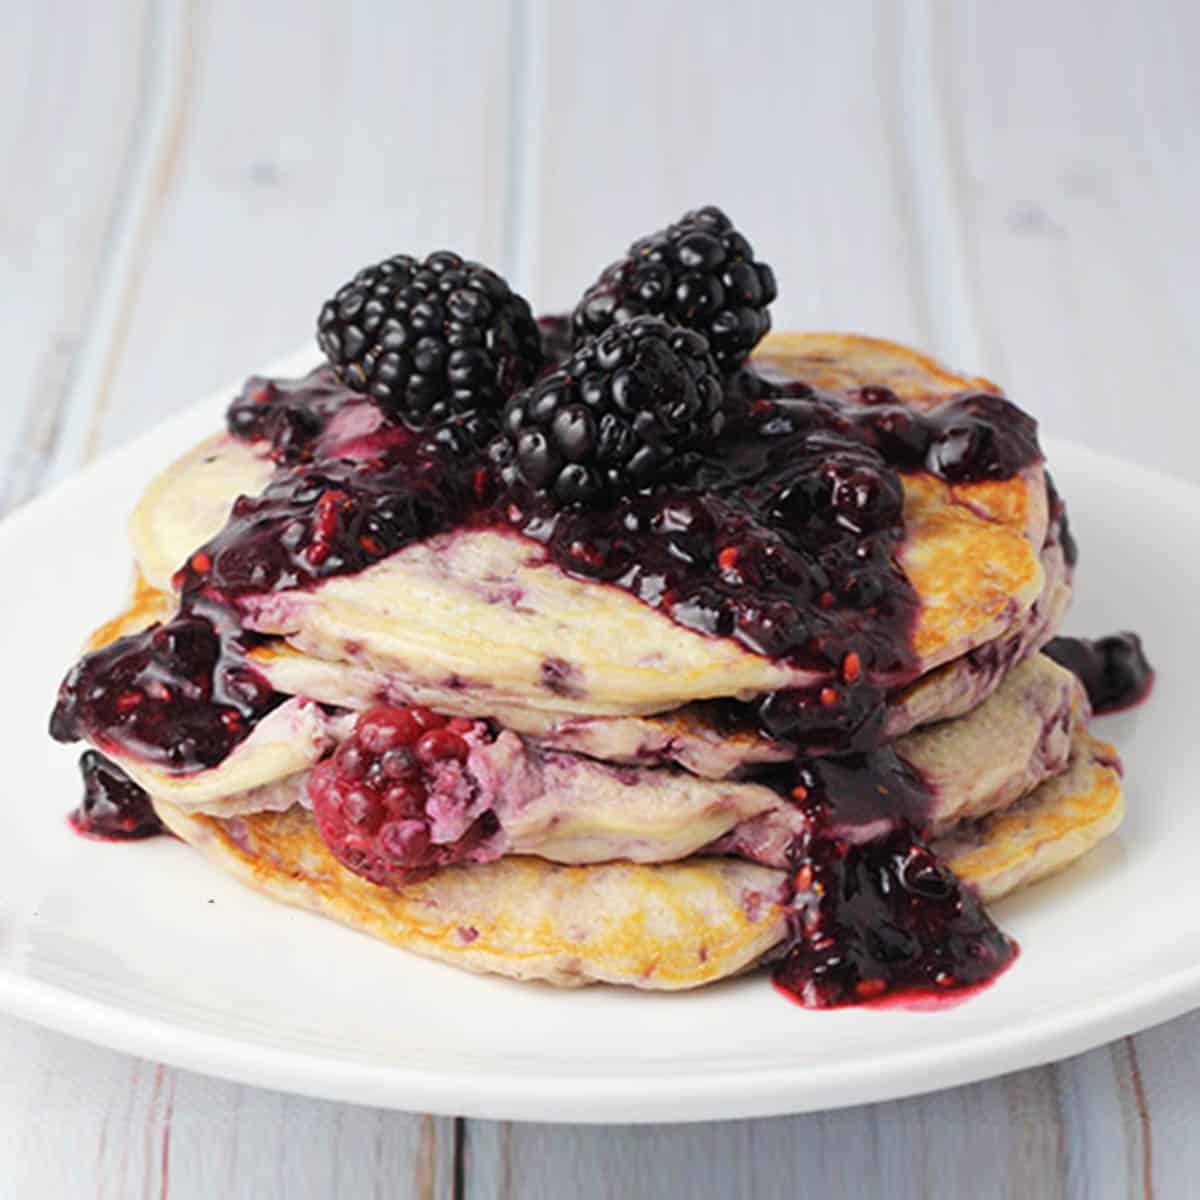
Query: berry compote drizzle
x=113, y=807
x=873, y=913
x=1114, y=670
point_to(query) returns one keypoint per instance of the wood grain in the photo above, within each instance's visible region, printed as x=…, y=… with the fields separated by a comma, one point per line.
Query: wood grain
x=1013, y=186
x=634, y=130
x=1077, y=176
x=84, y=1121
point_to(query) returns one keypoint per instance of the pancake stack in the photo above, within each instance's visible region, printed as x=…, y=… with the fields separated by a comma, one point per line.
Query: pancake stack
x=654, y=738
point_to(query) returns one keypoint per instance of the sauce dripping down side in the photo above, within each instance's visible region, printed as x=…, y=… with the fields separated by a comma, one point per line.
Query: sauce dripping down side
x=874, y=913
x=113, y=808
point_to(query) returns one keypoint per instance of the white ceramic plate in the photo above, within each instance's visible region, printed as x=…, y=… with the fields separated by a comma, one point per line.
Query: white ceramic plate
x=147, y=948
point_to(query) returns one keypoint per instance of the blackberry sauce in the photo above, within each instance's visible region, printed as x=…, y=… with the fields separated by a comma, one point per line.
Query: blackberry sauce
x=180, y=695
x=782, y=536
x=1113, y=670
x=883, y=918
x=291, y=414
x=113, y=808
x=872, y=911
x=557, y=338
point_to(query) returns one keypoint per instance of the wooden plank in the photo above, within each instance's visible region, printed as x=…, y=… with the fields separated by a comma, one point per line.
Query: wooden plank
x=1166, y=1069
x=625, y=132
x=78, y=1120
x=73, y=84
x=1079, y=1128
x=947, y=1145
x=1074, y=160
x=632, y=132
x=903, y=195
x=782, y=114
x=1076, y=163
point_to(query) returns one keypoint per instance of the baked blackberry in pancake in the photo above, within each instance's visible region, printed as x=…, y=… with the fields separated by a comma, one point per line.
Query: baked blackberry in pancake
x=777, y=700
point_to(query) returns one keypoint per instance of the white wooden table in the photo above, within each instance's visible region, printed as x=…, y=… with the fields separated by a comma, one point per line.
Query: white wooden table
x=1014, y=186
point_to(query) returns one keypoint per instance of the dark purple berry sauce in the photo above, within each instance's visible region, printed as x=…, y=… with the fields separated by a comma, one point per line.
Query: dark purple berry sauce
x=557, y=338
x=784, y=535
x=183, y=694
x=290, y=414
x=180, y=695
x=883, y=918
x=874, y=914
x=1113, y=670
x=113, y=808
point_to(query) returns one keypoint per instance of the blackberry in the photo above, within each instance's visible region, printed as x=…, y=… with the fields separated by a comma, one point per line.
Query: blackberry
x=430, y=339
x=399, y=779
x=617, y=415
x=699, y=272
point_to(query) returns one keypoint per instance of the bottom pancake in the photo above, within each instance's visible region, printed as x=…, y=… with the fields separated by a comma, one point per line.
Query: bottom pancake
x=1045, y=832
x=669, y=926
x=664, y=927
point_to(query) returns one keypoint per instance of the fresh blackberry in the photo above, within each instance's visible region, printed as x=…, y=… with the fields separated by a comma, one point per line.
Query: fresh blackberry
x=430, y=339
x=617, y=415
x=699, y=272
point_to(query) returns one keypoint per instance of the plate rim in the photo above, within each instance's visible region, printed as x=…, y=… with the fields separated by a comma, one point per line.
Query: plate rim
x=566, y=1099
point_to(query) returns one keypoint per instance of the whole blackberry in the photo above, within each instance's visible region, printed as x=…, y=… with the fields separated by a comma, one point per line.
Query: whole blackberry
x=699, y=272
x=430, y=339
x=617, y=415
x=396, y=782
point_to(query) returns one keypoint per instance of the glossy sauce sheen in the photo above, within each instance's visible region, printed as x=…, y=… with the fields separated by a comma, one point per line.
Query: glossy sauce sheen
x=1113, y=670
x=783, y=537
x=113, y=808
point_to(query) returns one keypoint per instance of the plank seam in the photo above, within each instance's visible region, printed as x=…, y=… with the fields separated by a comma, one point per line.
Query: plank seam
x=155, y=147
x=458, y=1181
x=1143, y=1115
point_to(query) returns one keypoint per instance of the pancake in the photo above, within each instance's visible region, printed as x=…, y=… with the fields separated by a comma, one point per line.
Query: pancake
x=1046, y=831
x=485, y=610
x=570, y=809
x=694, y=736
x=576, y=808
x=957, y=687
x=662, y=927
x=844, y=362
x=187, y=503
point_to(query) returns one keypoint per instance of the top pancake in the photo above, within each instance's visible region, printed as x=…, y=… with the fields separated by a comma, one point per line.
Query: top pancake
x=487, y=609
